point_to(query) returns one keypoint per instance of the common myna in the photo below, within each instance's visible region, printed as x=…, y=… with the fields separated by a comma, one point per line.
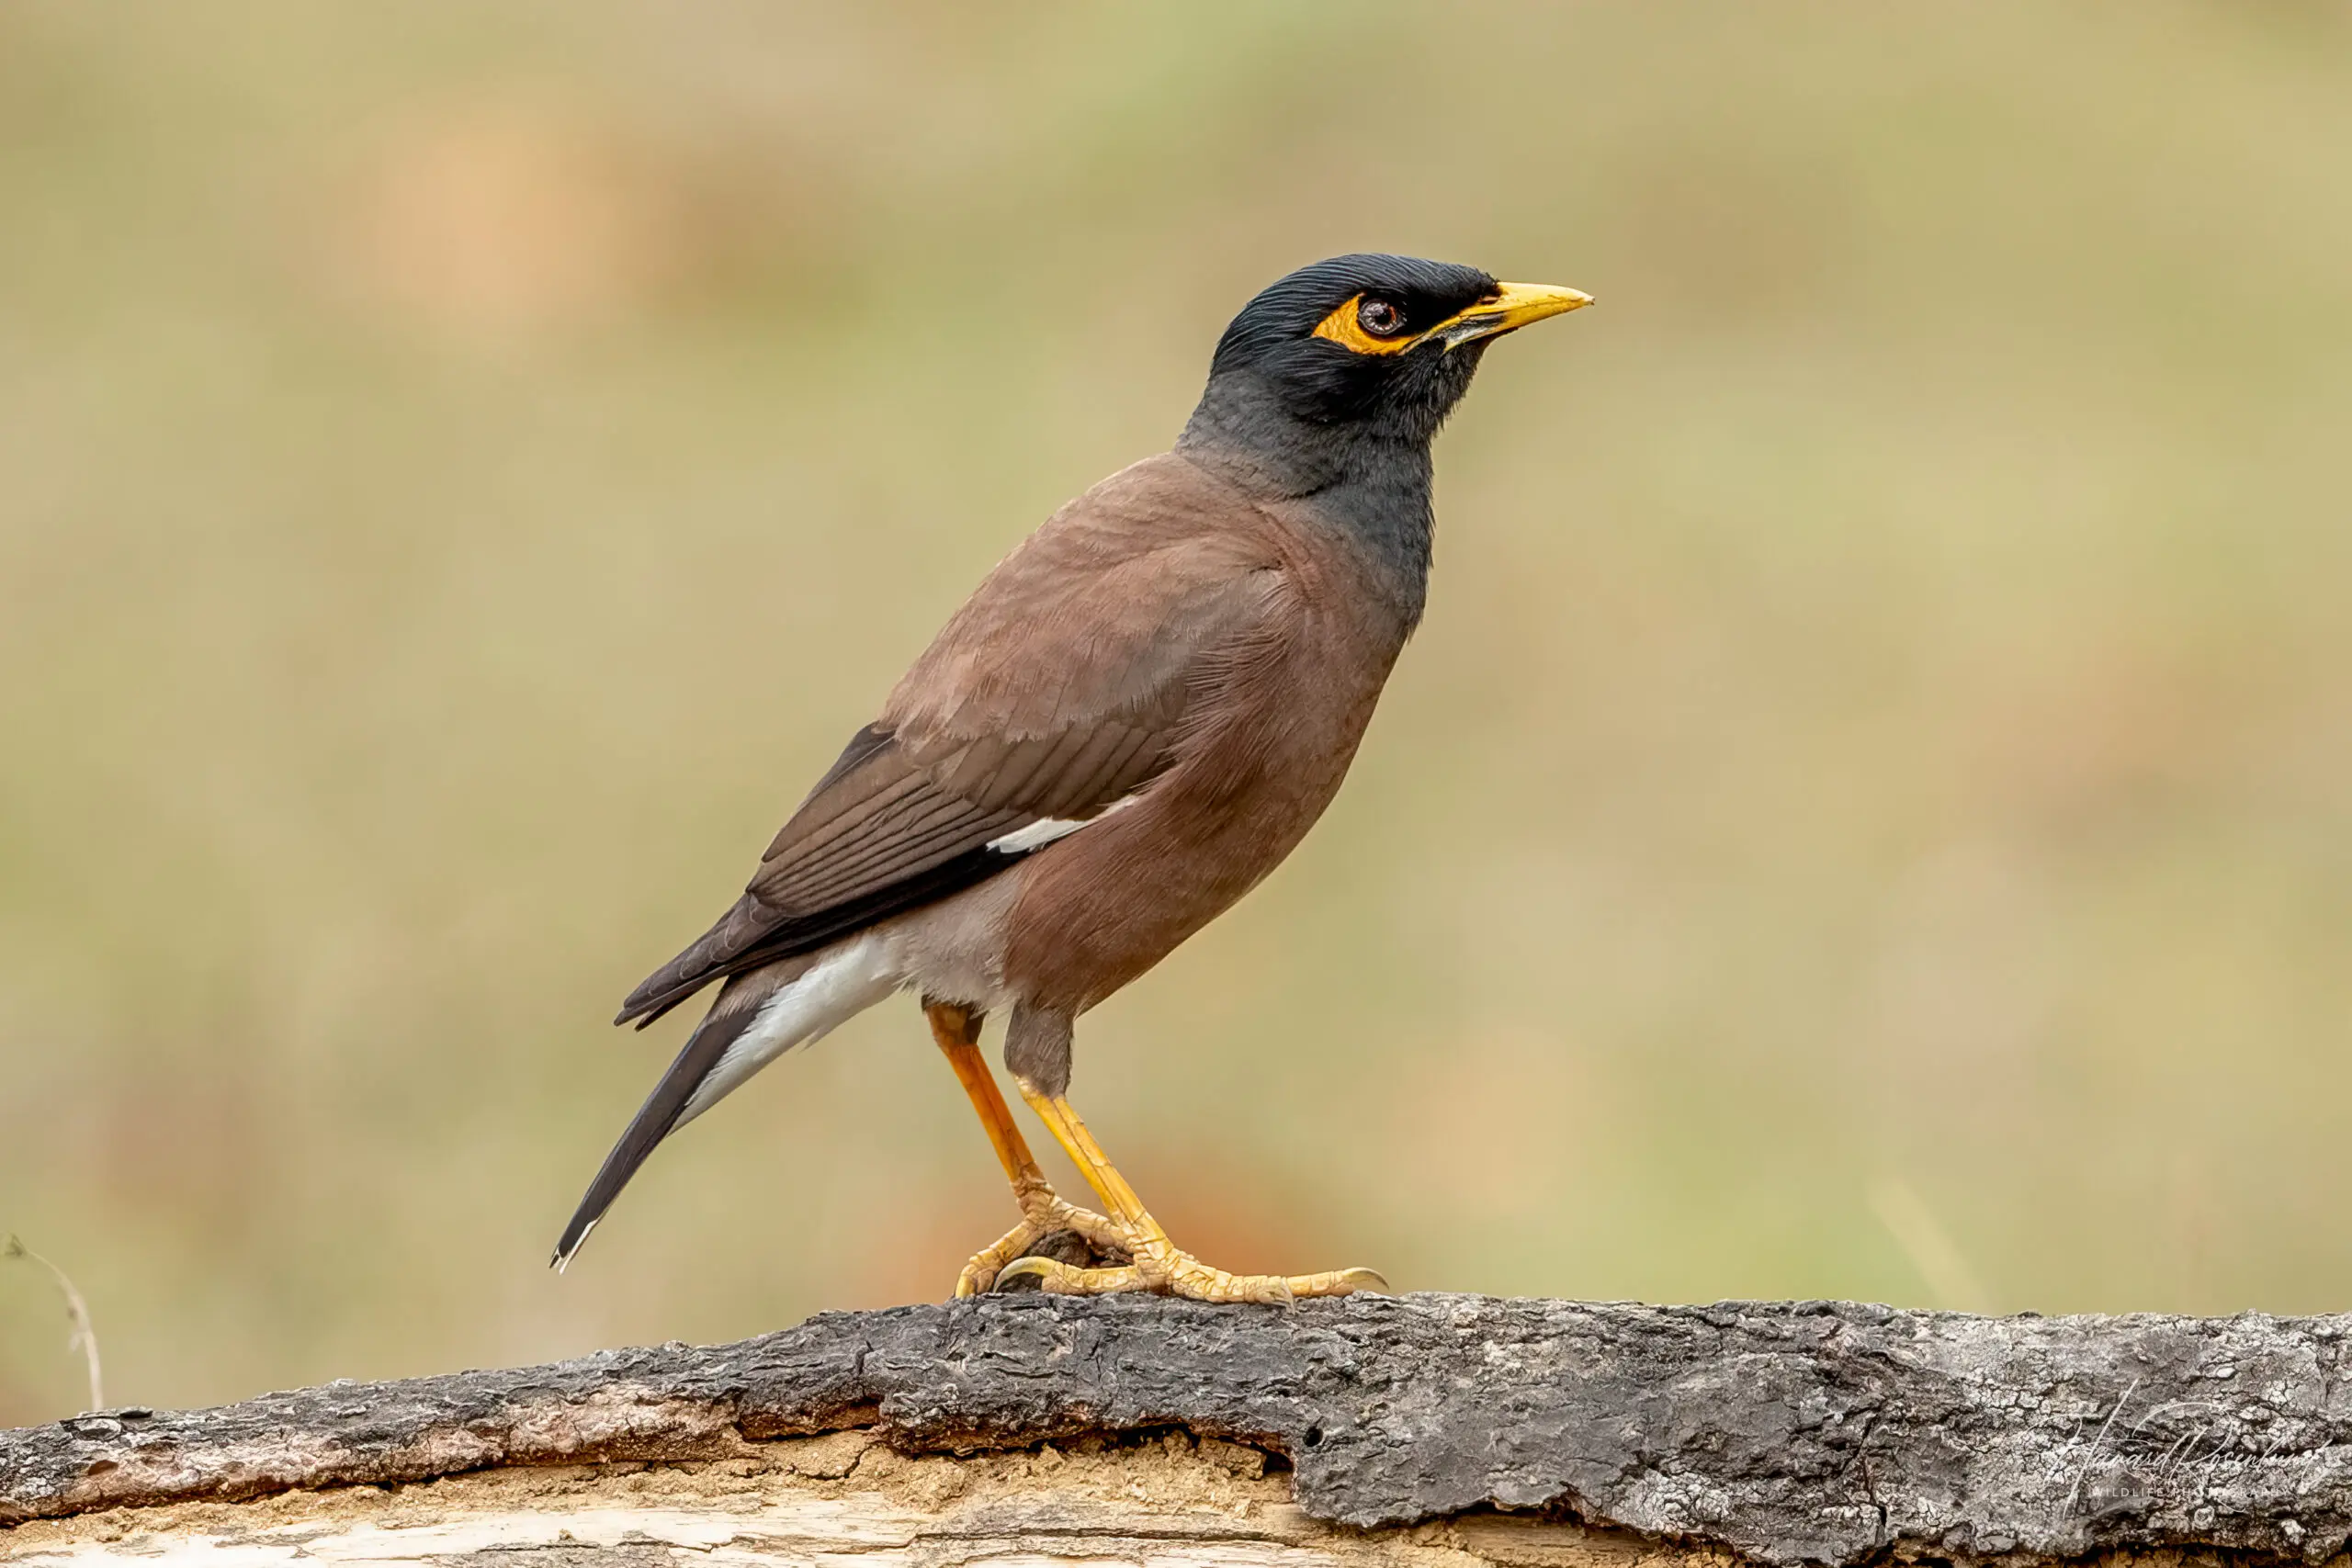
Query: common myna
x=1140, y=712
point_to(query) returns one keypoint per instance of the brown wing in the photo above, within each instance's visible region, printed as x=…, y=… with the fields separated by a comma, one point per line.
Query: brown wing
x=1058, y=690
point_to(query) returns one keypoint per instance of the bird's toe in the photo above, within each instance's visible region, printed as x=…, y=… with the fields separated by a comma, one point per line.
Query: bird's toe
x=1063, y=1234
x=1057, y=1278
x=1142, y=1259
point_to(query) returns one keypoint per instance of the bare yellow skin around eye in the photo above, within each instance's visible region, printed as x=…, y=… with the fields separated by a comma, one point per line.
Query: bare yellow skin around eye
x=1342, y=328
x=1509, y=308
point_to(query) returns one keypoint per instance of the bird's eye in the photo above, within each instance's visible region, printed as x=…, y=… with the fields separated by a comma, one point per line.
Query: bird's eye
x=1380, y=318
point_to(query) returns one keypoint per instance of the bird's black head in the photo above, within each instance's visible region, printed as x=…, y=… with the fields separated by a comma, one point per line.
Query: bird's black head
x=1360, y=348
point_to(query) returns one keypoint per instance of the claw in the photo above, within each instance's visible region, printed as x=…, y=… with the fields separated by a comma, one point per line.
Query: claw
x=1057, y=1278
x=1052, y=1227
x=1038, y=1269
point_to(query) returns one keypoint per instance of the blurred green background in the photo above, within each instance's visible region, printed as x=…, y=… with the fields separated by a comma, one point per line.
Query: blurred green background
x=1869, y=813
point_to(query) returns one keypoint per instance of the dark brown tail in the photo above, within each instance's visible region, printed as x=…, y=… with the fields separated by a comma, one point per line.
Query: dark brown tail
x=655, y=1120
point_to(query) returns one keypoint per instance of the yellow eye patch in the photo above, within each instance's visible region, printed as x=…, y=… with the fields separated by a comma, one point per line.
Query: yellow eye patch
x=1508, y=308
x=1344, y=327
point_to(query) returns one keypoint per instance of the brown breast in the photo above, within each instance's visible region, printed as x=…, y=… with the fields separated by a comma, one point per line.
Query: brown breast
x=1263, y=752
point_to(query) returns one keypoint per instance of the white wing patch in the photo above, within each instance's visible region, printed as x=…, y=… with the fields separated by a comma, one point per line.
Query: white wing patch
x=1045, y=830
x=1037, y=835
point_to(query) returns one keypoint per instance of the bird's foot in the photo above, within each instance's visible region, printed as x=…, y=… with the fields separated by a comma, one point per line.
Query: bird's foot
x=1160, y=1268
x=1051, y=1228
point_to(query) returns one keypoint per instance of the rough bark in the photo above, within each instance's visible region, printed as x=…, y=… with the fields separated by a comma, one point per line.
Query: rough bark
x=1784, y=1433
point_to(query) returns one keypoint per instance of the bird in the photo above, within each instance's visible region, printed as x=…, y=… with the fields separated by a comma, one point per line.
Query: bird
x=1136, y=716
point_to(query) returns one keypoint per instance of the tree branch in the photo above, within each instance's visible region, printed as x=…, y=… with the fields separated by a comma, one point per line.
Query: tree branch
x=1784, y=1433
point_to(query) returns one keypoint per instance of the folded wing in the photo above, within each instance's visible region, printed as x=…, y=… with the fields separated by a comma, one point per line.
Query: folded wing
x=1060, y=690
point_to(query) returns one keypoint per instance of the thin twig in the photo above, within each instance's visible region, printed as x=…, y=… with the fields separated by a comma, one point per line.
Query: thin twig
x=84, y=1337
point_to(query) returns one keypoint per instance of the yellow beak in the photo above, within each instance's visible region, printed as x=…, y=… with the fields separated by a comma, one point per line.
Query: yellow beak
x=1514, y=306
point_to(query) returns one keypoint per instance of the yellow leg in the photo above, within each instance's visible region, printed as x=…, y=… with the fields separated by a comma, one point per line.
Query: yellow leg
x=1159, y=1265
x=957, y=1031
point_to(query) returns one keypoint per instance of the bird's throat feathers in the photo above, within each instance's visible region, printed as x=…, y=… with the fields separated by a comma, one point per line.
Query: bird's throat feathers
x=1370, y=486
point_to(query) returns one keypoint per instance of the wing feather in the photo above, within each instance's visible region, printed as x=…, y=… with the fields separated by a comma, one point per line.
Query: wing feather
x=1061, y=689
